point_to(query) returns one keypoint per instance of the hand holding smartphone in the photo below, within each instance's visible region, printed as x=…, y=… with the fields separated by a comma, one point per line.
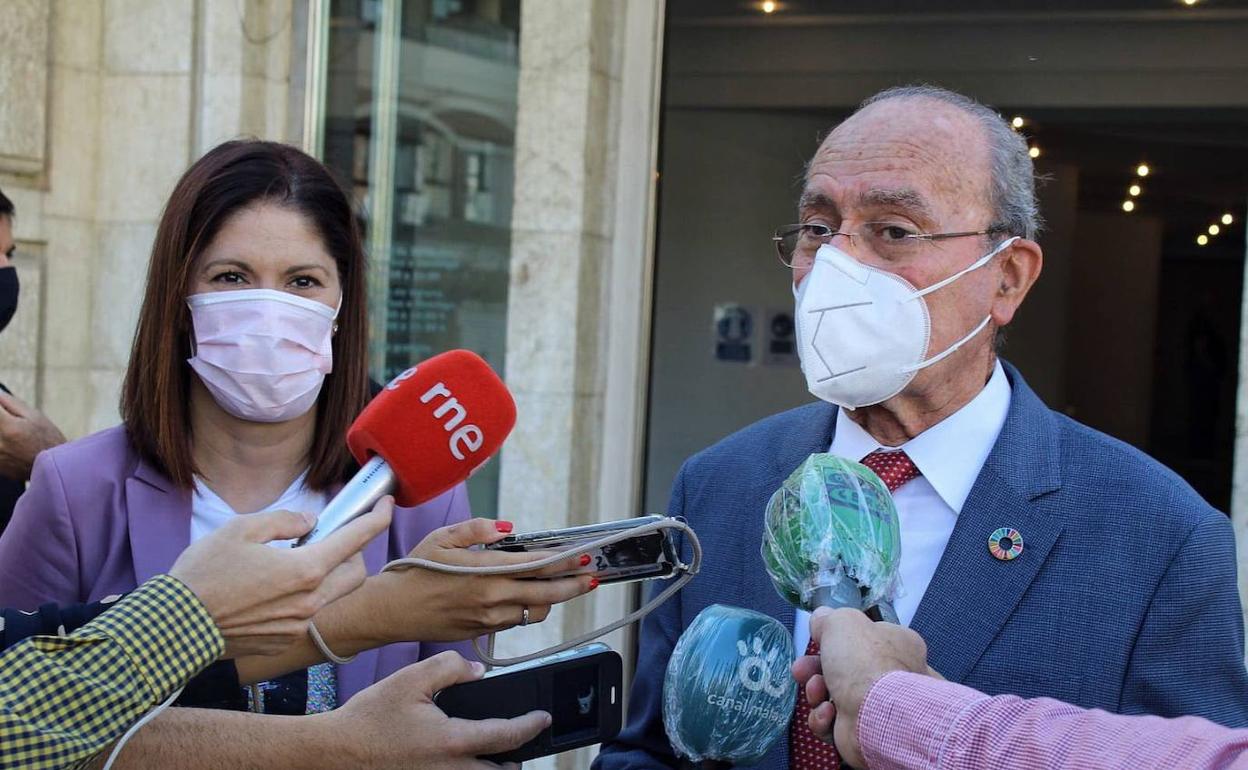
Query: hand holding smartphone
x=581, y=689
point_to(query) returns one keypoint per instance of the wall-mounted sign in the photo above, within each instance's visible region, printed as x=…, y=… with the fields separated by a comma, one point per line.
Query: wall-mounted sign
x=779, y=339
x=734, y=333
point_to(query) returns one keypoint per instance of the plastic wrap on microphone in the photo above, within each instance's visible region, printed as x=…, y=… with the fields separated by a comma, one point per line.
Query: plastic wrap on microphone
x=728, y=695
x=830, y=536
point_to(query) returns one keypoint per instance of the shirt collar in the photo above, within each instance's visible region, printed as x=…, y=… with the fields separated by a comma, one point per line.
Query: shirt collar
x=951, y=453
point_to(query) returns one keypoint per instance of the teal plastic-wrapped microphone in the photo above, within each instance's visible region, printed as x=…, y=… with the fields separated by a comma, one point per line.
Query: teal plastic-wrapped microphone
x=831, y=538
x=728, y=695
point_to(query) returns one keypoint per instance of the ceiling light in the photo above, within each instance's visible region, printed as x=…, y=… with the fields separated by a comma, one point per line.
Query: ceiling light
x=1017, y=122
x=1034, y=151
x=769, y=6
x=1227, y=219
x=1214, y=229
x=1202, y=239
x=1142, y=169
x=1134, y=190
x=1128, y=205
x=1190, y=3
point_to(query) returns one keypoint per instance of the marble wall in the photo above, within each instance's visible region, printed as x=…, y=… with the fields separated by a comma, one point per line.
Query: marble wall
x=127, y=94
x=578, y=303
x=24, y=76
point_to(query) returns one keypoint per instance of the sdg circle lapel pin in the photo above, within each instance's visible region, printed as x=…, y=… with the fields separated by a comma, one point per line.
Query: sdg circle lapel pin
x=1005, y=544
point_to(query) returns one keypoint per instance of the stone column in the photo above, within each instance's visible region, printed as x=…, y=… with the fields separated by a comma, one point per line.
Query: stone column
x=143, y=144
x=135, y=91
x=244, y=68
x=578, y=307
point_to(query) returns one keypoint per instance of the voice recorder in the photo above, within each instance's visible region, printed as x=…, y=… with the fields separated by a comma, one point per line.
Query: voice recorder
x=646, y=556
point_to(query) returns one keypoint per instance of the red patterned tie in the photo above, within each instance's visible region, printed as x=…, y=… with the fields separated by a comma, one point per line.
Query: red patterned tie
x=807, y=752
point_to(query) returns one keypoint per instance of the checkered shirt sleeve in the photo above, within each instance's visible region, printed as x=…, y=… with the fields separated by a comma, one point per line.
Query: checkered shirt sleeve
x=909, y=722
x=64, y=699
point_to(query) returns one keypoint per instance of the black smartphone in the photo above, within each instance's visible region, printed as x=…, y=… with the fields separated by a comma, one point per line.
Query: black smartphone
x=644, y=557
x=581, y=689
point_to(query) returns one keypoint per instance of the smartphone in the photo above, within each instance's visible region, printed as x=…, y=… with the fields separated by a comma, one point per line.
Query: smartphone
x=653, y=555
x=581, y=689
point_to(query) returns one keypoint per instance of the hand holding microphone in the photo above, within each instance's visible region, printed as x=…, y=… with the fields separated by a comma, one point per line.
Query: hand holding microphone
x=261, y=617
x=853, y=654
x=831, y=539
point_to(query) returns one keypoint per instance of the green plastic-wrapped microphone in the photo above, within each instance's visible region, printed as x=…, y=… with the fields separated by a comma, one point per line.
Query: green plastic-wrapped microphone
x=831, y=539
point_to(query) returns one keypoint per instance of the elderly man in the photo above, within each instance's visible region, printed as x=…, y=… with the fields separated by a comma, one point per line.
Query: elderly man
x=1039, y=557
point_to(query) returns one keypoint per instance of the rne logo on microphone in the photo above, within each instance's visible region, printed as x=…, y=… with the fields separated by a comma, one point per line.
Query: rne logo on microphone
x=467, y=437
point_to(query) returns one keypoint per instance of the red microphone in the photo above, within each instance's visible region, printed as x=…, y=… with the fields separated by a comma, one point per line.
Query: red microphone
x=427, y=431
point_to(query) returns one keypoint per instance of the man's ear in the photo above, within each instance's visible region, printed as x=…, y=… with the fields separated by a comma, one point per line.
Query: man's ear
x=1019, y=268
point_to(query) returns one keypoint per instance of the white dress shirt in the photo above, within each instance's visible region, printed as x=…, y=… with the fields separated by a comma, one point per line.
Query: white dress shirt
x=950, y=455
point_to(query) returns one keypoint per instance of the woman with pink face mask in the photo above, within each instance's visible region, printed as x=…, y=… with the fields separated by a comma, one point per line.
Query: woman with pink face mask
x=248, y=366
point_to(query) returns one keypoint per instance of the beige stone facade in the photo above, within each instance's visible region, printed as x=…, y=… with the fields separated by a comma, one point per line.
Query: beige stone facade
x=106, y=102
x=578, y=309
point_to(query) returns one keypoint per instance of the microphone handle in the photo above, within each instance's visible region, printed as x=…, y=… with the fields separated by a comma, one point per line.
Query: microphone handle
x=373, y=481
x=848, y=594
x=844, y=594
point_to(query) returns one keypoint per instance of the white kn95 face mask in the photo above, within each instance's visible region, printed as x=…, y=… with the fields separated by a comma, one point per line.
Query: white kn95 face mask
x=862, y=332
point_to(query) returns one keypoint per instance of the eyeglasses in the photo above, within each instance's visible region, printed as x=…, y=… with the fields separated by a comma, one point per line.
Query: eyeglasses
x=796, y=244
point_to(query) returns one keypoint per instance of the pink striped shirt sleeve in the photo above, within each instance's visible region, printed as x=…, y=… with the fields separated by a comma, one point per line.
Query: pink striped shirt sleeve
x=911, y=721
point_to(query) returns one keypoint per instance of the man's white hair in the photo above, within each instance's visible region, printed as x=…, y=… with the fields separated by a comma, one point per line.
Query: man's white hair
x=1012, y=183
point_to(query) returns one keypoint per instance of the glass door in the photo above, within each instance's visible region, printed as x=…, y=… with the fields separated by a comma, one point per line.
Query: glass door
x=419, y=124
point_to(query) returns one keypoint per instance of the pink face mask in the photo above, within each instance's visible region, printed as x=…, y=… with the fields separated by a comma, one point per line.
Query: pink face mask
x=262, y=354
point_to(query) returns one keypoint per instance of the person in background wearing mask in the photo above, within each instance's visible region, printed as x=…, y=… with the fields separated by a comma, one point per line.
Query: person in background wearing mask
x=248, y=366
x=24, y=430
x=884, y=709
x=1039, y=557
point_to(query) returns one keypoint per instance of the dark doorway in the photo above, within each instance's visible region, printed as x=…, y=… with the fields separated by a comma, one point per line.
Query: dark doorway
x=1134, y=326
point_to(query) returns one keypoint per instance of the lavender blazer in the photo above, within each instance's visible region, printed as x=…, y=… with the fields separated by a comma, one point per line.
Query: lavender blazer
x=98, y=520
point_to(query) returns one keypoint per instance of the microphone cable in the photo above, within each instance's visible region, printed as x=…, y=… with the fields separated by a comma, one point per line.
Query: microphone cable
x=134, y=728
x=688, y=571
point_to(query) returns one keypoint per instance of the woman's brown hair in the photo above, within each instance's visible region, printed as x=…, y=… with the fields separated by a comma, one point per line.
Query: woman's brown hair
x=156, y=393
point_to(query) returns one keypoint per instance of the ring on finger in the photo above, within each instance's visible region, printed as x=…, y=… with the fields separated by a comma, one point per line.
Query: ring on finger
x=524, y=616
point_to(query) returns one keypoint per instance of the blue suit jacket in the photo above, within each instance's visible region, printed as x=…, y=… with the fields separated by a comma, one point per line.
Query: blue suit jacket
x=1124, y=598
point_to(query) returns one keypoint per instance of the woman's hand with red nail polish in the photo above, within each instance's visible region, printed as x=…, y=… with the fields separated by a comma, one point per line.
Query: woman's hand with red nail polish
x=425, y=605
